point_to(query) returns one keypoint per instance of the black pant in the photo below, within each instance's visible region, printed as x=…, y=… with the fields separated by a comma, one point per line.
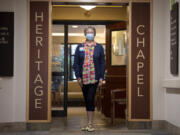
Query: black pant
x=89, y=92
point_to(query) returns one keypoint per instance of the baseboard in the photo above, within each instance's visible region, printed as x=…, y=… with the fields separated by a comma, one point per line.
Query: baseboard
x=23, y=126
x=155, y=125
x=174, y=130
x=13, y=127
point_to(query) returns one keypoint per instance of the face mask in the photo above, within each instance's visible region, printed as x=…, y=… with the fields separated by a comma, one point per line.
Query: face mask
x=90, y=36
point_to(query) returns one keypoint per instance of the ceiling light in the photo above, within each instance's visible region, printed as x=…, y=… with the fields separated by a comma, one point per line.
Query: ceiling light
x=87, y=7
x=74, y=26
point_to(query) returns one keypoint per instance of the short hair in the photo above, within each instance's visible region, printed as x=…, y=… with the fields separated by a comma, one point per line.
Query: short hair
x=90, y=27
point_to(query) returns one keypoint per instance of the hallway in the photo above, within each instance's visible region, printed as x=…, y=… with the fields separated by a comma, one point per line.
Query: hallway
x=76, y=119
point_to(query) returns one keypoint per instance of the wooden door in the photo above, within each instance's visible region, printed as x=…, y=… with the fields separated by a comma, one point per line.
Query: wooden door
x=115, y=74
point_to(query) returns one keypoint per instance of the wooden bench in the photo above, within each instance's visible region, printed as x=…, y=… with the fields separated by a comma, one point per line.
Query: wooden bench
x=115, y=100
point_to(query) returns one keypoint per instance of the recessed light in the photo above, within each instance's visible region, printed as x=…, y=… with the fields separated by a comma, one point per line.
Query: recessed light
x=74, y=26
x=87, y=7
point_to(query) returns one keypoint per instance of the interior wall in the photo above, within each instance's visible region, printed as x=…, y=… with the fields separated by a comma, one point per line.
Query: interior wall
x=170, y=82
x=13, y=89
x=99, y=13
x=166, y=88
x=159, y=43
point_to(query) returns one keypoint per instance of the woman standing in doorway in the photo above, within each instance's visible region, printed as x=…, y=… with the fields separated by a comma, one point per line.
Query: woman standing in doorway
x=89, y=66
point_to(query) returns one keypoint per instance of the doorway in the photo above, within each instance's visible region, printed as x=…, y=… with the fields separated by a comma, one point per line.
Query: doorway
x=139, y=69
x=68, y=95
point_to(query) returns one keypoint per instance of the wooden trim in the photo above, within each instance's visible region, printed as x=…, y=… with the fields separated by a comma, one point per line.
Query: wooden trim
x=107, y=1
x=27, y=62
x=86, y=22
x=129, y=61
x=50, y=62
x=115, y=76
x=151, y=58
x=90, y=1
x=140, y=1
x=40, y=0
x=75, y=5
x=98, y=4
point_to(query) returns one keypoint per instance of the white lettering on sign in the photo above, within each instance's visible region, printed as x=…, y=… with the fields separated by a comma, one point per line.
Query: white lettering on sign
x=38, y=80
x=39, y=16
x=140, y=44
x=139, y=66
x=4, y=35
x=38, y=63
x=38, y=91
x=39, y=41
x=38, y=103
x=140, y=29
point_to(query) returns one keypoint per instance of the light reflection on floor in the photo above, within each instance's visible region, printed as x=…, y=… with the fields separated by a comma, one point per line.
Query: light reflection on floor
x=76, y=118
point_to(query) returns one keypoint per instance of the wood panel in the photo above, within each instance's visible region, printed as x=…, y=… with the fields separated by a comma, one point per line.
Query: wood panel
x=114, y=82
x=140, y=69
x=38, y=103
x=115, y=75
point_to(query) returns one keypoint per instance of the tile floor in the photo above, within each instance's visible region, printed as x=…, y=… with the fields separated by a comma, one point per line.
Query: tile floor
x=77, y=118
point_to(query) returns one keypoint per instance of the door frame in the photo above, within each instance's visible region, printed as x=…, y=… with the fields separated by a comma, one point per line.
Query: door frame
x=61, y=113
x=90, y=22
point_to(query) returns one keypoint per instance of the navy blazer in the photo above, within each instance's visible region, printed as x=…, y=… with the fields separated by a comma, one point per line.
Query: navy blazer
x=98, y=58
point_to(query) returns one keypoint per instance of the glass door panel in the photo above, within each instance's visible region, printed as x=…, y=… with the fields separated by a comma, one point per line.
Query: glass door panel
x=58, y=75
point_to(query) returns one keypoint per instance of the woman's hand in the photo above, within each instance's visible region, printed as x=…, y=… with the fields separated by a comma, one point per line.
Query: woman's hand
x=80, y=82
x=100, y=83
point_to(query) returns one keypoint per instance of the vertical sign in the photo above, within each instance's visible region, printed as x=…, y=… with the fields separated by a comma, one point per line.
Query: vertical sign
x=6, y=43
x=38, y=62
x=174, y=39
x=140, y=59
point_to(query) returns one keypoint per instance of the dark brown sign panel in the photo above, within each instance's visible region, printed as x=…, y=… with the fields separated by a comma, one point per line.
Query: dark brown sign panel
x=38, y=61
x=174, y=39
x=140, y=57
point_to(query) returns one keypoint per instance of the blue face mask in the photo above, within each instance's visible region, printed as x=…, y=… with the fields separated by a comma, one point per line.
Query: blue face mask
x=90, y=36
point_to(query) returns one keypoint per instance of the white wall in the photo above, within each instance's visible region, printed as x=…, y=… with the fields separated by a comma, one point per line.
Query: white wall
x=166, y=87
x=13, y=89
x=172, y=98
x=158, y=58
